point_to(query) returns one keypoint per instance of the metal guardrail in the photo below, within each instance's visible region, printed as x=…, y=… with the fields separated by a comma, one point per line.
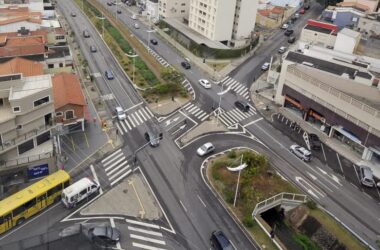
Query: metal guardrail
x=279, y=199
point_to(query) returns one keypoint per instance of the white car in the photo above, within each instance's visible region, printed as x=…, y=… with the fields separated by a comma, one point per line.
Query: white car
x=205, y=149
x=285, y=26
x=120, y=113
x=301, y=152
x=265, y=66
x=282, y=50
x=205, y=83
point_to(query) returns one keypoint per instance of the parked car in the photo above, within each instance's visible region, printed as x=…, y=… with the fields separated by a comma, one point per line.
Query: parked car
x=185, y=65
x=137, y=26
x=285, y=26
x=301, y=152
x=134, y=16
x=118, y=11
x=315, y=143
x=153, y=41
x=282, y=50
x=302, y=11
x=205, y=83
x=288, y=32
x=109, y=3
x=306, y=6
x=243, y=106
x=93, y=49
x=297, y=15
x=265, y=66
x=79, y=191
x=291, y=39
x=219, y=241
x=73, y=14
x=366, y=176
x=104, y=235
x=120, y=113
x=109, y=75
x=205, y=149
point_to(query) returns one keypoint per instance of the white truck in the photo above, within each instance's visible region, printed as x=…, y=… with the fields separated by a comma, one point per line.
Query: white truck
x=79, y=191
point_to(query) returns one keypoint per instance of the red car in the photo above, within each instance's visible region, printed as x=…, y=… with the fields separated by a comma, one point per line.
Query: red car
x=302, y=11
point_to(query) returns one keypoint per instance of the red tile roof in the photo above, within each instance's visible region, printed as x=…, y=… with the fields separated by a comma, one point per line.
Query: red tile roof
x=21, y=65
x=67, y=90
x=22, y=46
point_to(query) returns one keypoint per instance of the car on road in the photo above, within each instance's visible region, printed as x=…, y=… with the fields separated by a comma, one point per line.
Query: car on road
x=86, y=34
x=293, y=18
x=288, y=32
x=301, y=152
x=315, y=143
x=205, y=83
x=104, y=235
x=285, y=26
x=265, y=66
x=153, y=41
x=205, y=149
x=153, y=137
x=93, y=49
x=118, y=11
x=243, y=106
x=291, y=39
x=297, y=15
x=219, y=241
x=136, y=25
x=73, y=14
x=306, y=6
x=120, y=113
x=134, y=16
x=185, y=65
x=109, y=75
x=302, y=11
x=109, y=3
x=282, y=50
x=366, y=176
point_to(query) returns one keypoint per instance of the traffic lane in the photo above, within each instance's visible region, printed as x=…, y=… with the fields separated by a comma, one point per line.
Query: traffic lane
x=126, y=94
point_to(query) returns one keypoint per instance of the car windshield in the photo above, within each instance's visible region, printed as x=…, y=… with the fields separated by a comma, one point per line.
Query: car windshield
x=204, y=148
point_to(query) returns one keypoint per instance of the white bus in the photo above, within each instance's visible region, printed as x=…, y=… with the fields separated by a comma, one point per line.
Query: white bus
x=78, y=191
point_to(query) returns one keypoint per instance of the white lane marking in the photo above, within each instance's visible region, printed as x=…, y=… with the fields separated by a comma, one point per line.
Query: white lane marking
x=189, y=107
x=112, y=222
x=187, y=104
x=129, y=126
x=149, y=112
x=141, y=113
x=143, y=110
x=146, y=247
x=135, y=222
x=121, y=177
x=118, y=127
x=133, y=106
x=340, y=164
x=144, y=231
x=115, y=163
x=198, y=113
x=184, y=208
x=135, y=119
x=134, y=236
x=111, y=155
x=122, y=124
x=131, y=121
x=118, y=173
x=201, y=116
x=231, y=114
x=118, y=167
x=193, y=109
x=201, y=201
x=138, y=116
x=252, y=122
x=323, y=151
x=120, y=154
x=244, y=114
x=204, y=118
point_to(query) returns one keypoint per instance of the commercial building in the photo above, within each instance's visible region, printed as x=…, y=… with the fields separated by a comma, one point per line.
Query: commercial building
x=337, y=92
x=173, y=8
x=370, y=5
x=344, y=16
x=229, y=22
x=319, y=33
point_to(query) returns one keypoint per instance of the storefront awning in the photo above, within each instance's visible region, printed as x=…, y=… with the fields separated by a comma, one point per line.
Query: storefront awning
x=347, y=134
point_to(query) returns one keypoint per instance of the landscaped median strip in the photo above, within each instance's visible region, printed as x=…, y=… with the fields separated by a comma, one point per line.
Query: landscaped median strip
x=152, y=79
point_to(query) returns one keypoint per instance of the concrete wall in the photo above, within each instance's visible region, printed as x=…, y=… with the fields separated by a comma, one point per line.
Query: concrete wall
x=310, y=36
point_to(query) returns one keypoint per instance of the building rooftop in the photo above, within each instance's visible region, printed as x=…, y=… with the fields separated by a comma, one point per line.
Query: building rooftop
x=23, y=46
x=67, y=90
x=350, y=33
x=20, y=65
x=30, y=86
x=318, y=29
x=58, y=52
x=327, y=66
x=358, y=6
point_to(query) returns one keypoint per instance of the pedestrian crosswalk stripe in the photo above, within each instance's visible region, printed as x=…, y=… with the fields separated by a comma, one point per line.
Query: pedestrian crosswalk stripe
x=135, y=119
x=116, y=156
x=143, y=110
x=189, y=107
x=111, y=155
x=143, y=116
x=229, y=81
x=114, y=164
x=203, y=118
x=122, y=124
x=142, y=223
x=118, y=128
x=134, y=236
x=187, y=104
x=135, y=244
x=225, y=78
x=117, y=168
x=121, y=177
x=230, y=120
x=129, y=126
x=144, y=231
x=240, y=89
x=234, y=84
x=246, y=94
x=237, y=118
x=130, y=119
x=198, y=113
x=137, y=115
x=245, y=115
x=149, y=112
x=118, y=173
x=194, y=108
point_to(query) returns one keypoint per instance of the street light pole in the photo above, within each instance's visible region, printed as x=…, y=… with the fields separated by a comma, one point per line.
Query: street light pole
x=220, y=94
x=133, y=72
x=102, y=18
x=237, y=185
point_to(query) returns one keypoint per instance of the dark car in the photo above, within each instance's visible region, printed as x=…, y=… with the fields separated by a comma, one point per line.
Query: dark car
x=153, y=41
x=109, y=3
x=219, y=241
x=104, y=235
x=185, y=65
x=109, y=75
x=118, y=11
x=288, y=32
x=73, y=14
x=291, y=39
x=153, y=138
x=93, y=49
x=243, y=106
x=315, y=143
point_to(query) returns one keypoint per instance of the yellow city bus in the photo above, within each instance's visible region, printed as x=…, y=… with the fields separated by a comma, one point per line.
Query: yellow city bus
x=15, y=209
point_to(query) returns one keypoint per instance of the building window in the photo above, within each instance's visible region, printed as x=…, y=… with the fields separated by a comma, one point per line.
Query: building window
x=60, y=65
x=69, y=114
x=43, y=138
x=26, y=146
x=16, y=109
x=41, y=101
x=59, y=114
x=18, y=127
x=1, y=102
x=50, y=66
x=59, y=37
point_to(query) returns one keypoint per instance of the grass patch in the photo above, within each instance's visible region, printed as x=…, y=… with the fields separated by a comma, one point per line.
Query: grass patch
x=305, y=242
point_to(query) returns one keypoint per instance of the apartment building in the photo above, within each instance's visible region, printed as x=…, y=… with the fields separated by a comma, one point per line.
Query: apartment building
x=336, y=92
x=173, y=8
x=230, y=22
x=319, y=33
x=26, y=119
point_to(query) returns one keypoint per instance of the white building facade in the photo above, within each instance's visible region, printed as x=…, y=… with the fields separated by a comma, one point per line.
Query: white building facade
x=173, y=8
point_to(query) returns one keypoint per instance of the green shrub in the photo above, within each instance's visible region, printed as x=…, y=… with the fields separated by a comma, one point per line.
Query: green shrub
x=232, y=154
x=229, y=195
x=305, y=242
x=311, y=204
x=248, y=221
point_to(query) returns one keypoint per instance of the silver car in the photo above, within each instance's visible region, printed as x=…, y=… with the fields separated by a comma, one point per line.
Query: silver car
x=301, y=152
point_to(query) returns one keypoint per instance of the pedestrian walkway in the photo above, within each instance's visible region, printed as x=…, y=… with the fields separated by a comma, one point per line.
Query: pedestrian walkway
x=134, y=119
x=235, y=115
x=145, y=235
x=159, y=59
x=236, y=86
x=187, y=85
x=195, y=111
x=116, y=167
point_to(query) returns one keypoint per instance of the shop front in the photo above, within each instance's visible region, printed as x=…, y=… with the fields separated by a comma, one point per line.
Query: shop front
x=348, y=138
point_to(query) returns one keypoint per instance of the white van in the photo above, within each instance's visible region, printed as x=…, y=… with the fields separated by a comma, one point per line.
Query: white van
x=78, y=191
x=134, y=17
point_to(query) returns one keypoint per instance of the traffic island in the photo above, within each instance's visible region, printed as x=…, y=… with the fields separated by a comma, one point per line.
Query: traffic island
x=291, y=226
